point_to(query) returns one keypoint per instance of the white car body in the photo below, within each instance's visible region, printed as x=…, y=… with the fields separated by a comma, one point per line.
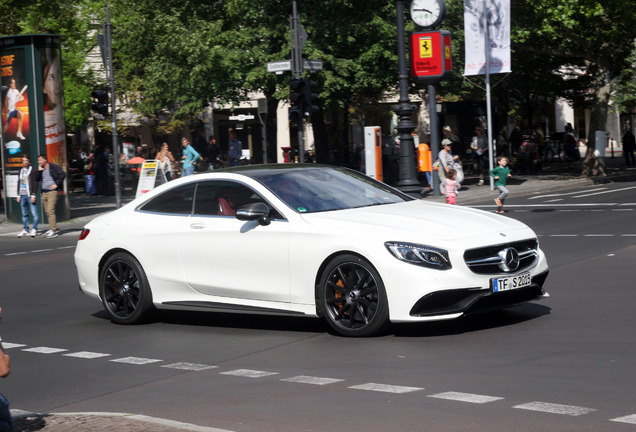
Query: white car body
x=202, y=262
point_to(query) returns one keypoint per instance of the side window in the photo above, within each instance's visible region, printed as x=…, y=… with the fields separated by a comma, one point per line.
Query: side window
x=175, y=201
x=223, y=198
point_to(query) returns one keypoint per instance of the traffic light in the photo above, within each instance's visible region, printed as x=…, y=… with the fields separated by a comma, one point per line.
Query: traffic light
x=311, y=97
x=100, y=101
x=297, y=100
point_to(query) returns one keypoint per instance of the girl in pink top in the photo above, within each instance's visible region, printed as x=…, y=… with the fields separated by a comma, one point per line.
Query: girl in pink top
x=451, y=186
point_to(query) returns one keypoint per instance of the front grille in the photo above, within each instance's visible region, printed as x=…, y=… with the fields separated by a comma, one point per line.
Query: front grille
x=489, y=260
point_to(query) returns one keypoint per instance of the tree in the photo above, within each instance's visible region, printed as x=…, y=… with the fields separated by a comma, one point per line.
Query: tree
x=591, y=38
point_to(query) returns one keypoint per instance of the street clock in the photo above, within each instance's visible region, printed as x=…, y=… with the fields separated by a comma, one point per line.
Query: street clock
x=428, y=13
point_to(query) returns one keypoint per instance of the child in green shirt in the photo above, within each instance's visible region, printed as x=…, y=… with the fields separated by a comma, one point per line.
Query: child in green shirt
x=501, y=174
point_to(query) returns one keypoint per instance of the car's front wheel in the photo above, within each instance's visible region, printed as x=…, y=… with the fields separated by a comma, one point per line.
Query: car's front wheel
x=353, y=298
x=124, y=290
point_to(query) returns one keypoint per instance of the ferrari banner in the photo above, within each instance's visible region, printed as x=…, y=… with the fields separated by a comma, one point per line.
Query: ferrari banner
x=495, y=15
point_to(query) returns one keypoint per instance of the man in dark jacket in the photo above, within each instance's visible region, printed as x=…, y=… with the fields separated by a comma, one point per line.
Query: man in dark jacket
x=629, y=145
x=52, y=178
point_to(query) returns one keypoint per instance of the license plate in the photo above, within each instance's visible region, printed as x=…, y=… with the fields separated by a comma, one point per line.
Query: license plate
x=511, y=283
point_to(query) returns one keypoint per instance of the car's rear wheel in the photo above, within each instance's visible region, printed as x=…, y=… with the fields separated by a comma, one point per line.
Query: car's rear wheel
x=124, y=289
x=353, y=298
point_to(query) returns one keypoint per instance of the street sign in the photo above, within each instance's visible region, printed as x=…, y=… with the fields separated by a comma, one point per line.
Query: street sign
x=279, y=66
x=241, y=117
x=312, y=65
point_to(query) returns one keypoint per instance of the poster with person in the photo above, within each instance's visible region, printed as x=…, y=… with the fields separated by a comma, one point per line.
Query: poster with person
x=15, y=107
x=53, y=102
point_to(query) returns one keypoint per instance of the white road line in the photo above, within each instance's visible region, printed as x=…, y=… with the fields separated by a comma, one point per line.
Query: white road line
x=67, y=247
x=135, y=360
x=303, y=379
x=249, y=373
x=604, y=192
x=564, y=235
x=45, y=350
x=466, y=397
x=16, y=253
x=565, y=194
x=628, y=235
x=627, y=419
x=86, y=355
x=598, y=235
x=385, y=388
x=41, y=250
x=8, y=345
x=189, y=366
x=555, y=408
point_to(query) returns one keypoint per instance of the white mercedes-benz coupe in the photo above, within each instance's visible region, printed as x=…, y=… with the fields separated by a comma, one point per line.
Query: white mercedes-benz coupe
x=305, y=240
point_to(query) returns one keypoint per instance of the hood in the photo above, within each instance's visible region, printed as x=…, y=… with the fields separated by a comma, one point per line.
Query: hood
x=433, y=220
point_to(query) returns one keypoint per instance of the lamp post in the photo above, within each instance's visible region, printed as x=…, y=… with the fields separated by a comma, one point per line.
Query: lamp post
x=407, y=175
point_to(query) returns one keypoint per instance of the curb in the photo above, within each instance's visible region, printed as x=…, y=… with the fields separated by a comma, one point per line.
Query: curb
x=86, y=421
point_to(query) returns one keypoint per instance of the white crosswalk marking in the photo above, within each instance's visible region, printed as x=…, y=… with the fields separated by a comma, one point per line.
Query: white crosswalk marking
x=466, y=397
x=303, y=379
x=249, y=373
x=45, y=350
x=86, y=355
x=189, y=366
x=627, y=419
x=135, y=360
x=555, y=408
x=386, y=388
x=8, y=345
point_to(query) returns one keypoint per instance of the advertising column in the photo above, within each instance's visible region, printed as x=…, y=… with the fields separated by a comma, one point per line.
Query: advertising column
x=32, y=114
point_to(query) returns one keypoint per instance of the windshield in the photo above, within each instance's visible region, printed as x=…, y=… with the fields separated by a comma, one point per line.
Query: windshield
x=309, y=190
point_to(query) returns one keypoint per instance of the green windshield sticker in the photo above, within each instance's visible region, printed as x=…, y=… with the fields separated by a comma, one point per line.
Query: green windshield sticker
x=302, y=209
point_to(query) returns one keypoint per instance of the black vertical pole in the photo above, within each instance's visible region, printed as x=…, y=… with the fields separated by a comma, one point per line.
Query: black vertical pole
x=432, y=106
x=113, y=114
x=408, y=177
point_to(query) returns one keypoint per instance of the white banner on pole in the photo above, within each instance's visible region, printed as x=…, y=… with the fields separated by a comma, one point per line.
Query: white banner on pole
x=497, y=39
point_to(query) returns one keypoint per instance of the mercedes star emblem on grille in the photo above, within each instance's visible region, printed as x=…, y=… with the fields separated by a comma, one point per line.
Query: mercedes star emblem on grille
x=509, y=259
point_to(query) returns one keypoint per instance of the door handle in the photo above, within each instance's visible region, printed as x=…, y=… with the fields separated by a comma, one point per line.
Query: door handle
x=197, y=225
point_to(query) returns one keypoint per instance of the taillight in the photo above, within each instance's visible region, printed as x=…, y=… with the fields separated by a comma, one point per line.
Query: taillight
x=84, y=233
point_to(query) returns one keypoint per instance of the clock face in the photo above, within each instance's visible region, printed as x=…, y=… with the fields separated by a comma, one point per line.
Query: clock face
x=427, y=13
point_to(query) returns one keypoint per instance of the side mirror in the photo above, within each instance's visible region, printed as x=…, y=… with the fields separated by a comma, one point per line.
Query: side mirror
x=255, y=211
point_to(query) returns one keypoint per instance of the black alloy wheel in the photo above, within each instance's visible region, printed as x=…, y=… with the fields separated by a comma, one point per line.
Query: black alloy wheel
x=124, y=290
x=353, y=297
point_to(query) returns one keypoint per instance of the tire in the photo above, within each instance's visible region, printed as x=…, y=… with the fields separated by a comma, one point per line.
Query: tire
x=353, y=298
x=124, y=290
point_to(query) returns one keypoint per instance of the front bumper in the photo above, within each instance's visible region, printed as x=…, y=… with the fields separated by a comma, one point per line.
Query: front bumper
x=475, y=300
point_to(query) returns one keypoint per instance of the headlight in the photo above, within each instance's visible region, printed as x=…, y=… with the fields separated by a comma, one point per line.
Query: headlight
x=425, y=256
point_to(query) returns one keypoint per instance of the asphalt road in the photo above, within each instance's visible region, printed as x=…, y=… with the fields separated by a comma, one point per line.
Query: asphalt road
x=562, y=364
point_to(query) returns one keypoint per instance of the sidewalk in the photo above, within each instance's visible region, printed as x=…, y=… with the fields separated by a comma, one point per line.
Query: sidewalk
x=554, y=177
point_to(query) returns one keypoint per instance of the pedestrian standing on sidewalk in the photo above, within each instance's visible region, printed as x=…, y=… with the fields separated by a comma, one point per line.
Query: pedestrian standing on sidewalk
x=501, y=173
x=447, y=161
x=27, y=188
x=451, y=186
x=479, y=145
x=6, y=422
x=190, y=157
x=424, y=163
x=235, y=150
x=51, y=177
x=629, y=145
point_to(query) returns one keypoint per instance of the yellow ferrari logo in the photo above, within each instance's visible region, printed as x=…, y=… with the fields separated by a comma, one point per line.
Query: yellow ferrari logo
x=426, y=47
